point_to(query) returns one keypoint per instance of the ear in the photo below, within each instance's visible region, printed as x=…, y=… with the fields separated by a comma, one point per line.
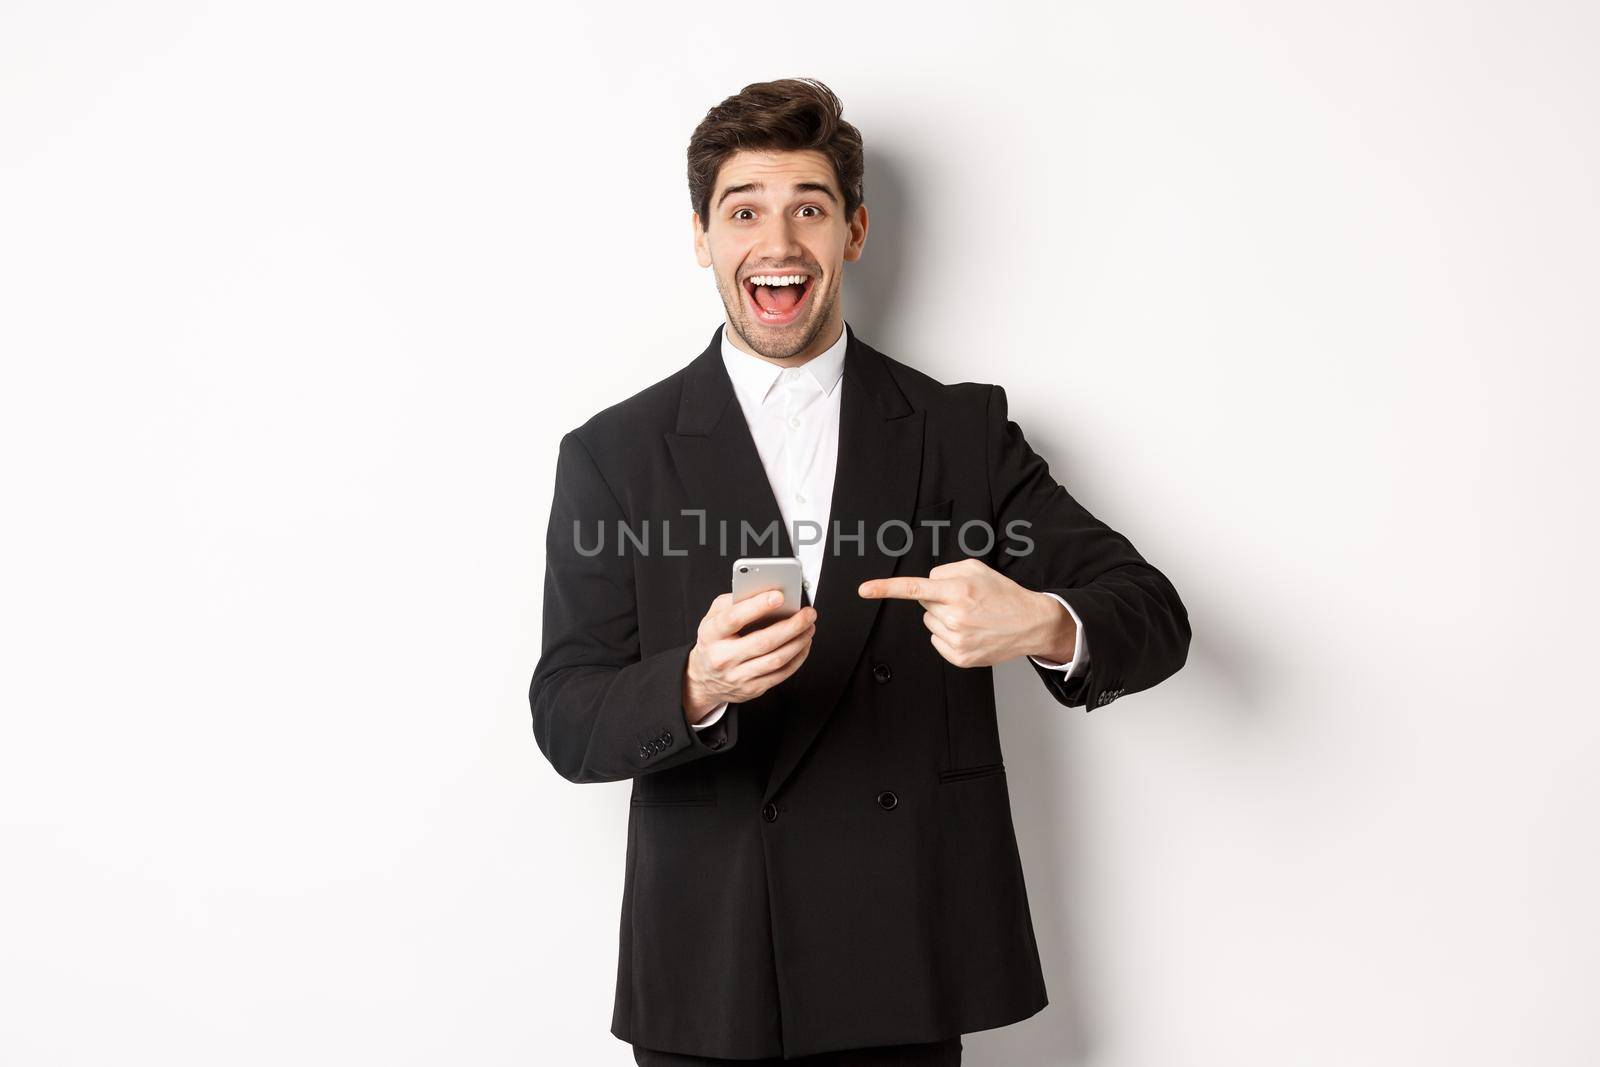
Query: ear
x=858, y=234
x=702, y=243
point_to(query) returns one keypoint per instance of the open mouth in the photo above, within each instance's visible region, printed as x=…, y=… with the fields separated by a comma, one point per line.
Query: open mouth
x=778, y=304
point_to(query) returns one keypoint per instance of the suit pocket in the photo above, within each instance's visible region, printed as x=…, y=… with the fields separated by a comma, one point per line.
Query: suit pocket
x=963, y=774
x=686, y=784
x=669, y=799
x=933, y=542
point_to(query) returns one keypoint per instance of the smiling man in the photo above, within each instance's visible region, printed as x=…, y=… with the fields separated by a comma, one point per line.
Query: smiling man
x=821, y=861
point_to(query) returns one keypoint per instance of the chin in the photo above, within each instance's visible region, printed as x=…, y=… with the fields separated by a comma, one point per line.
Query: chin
x=778, y=342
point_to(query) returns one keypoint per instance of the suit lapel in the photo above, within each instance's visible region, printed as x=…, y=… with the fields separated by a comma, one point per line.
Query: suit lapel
x=880, y=461
x=717, y=462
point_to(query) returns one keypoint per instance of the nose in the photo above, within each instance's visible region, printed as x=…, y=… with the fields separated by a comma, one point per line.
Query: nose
x=778, y=241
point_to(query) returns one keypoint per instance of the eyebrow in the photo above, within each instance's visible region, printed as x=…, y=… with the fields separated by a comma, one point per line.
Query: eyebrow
x=799, y=187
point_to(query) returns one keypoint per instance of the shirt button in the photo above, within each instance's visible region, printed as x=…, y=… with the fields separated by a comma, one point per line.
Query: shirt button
x=794, y=423
x=799, y=498
x=769, y=812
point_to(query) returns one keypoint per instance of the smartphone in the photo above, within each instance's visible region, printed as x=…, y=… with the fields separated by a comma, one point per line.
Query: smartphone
x=757, y=575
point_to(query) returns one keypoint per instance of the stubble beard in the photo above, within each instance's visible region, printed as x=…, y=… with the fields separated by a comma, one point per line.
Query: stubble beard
x=748, y=329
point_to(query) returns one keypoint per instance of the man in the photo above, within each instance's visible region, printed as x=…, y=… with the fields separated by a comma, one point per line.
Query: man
x=821, y=863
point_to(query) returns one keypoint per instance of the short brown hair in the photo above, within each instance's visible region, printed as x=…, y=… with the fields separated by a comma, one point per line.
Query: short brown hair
x=791, y=114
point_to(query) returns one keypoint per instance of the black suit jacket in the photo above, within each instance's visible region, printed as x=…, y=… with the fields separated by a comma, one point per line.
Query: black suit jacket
x=831, y=865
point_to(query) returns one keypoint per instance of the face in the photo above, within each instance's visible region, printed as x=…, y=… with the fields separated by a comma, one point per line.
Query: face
x=775, y=216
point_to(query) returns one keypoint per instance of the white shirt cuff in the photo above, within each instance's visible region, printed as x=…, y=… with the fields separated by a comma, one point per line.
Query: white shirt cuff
x=1080, y=649
x=711, y=717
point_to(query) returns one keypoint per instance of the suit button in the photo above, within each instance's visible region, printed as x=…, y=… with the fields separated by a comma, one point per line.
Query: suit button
x=644, y=753
x=769, y=812
x=881, y=673
x=887, y=800
x=666, y=738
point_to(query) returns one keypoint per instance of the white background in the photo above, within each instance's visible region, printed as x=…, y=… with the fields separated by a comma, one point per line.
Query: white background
x=296, y=301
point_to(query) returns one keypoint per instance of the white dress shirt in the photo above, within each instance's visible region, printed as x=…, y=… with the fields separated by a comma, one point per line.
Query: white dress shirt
x=793, y=414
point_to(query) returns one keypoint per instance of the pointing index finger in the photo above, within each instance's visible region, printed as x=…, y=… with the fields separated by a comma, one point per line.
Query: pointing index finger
x=927, y=590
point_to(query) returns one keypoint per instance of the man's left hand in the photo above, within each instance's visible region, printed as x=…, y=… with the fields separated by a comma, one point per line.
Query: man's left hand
x=978, y=617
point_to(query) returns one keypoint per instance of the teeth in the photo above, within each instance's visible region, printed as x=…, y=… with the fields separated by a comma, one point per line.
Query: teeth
x=779, y=279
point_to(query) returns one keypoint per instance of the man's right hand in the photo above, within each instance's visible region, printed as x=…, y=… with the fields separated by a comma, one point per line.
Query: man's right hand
x=725, y=667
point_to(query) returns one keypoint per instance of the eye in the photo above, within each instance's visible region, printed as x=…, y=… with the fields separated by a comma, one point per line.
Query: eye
x=742, y=211
x=813, y=207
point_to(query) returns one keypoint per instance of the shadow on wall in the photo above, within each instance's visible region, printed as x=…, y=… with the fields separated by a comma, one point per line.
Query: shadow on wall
x=872, y=283
x=1044, y=753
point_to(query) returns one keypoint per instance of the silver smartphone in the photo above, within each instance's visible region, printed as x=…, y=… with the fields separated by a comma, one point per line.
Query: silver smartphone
x=759, y=574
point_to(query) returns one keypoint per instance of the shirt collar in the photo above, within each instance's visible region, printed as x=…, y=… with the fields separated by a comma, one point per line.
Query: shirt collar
x=753, y=377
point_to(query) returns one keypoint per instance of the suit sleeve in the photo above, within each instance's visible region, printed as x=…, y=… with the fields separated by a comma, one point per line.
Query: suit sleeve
x=1048, y=542
x=601, y=711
